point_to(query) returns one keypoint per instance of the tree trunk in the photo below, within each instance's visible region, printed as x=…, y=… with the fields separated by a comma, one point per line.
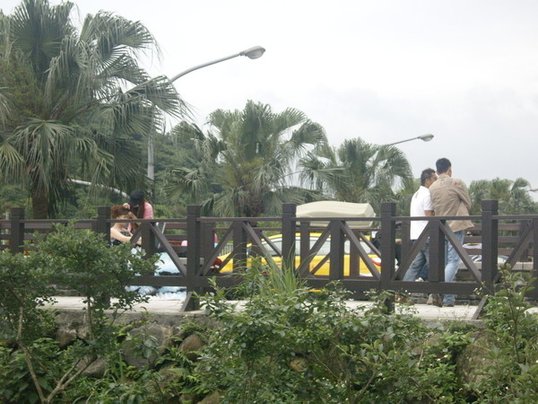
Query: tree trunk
x=40, y=205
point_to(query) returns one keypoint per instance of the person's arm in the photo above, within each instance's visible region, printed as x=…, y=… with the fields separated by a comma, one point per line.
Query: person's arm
x=463, y=194
x=118, y=235
x=428, y=206
x=148, y=211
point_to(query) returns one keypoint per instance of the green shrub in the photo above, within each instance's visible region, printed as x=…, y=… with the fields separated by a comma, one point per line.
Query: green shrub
x=291, y=344
x=287, y=344
x=80, y=260
x=25, y=286
x=509, y=344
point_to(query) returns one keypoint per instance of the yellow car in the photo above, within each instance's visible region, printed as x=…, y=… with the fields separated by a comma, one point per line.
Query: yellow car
x=319, y=265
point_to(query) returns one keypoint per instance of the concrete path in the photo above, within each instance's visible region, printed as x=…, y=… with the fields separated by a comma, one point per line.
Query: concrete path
x=173, y=305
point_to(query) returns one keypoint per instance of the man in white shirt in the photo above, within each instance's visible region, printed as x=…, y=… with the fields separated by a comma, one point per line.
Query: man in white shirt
x=421, y=205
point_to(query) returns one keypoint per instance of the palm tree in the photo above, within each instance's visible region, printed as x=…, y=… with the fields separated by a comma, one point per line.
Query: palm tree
x=358, y=171
x=71, y=101
x=513, y=196
x=244, y=166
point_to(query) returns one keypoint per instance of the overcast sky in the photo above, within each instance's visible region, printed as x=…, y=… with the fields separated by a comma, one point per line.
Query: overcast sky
x=382, y=70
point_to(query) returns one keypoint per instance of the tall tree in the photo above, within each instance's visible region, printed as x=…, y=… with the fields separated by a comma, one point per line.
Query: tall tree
x=244, y=165
x=514, y=196
x=358, y=171
x=71, y=101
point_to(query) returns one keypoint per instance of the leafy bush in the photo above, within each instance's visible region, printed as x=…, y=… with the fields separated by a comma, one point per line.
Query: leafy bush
x=296, y=345
x=80, y=260
x=287, y=344
x=508, y=345
x=25, y=286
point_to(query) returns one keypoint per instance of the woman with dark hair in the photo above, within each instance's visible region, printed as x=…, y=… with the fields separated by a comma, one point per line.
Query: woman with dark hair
x=139, y=206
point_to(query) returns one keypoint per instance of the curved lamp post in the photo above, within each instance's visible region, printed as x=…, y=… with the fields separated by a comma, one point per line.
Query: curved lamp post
x=252, y=53
x=424, y=138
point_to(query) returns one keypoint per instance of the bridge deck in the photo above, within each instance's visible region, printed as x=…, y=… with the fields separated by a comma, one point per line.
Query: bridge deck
x=173, y=307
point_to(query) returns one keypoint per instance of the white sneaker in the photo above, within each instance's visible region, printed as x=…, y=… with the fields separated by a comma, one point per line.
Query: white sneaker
x=419, y=279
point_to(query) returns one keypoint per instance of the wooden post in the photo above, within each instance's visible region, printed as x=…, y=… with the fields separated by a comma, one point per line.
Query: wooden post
x=289, y=228
x=207, y=242
x=148, y=238
x=193, y=254
x=102, y=224
x=239, y=246
x=336, y=267
x=436, y=271
x=490, y=240
x=388, y=252
x=16, y=223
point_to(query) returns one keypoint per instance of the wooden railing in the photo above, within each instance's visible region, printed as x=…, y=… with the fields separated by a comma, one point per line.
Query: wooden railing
x=513, y=235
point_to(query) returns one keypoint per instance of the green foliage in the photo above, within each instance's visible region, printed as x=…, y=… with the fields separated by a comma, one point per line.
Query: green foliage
x=243, y=166
x=296, y=345
x=262, y=279
x=71, y=101
x=13, y=196
x=84, y=262
x=509, y=344
x=286, y=344
x=514, y=196
x=358, y=171
x=506, y=312
x=25, y=286
x=80, y=260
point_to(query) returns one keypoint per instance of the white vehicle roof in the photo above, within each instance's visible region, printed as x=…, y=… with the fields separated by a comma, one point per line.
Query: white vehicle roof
x=336, y=209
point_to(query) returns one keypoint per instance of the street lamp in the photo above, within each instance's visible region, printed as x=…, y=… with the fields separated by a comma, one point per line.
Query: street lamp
x=252, y=53
x=424, y=138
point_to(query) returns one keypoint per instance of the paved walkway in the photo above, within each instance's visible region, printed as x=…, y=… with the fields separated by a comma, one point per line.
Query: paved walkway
x=172, y=305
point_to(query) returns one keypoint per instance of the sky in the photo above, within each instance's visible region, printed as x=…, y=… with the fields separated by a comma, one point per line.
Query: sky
x=383, y=70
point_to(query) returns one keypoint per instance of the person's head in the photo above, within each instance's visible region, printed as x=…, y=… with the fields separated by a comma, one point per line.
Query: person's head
x=136, y=202
x=443, y=166
x=120, y=212
x=136, y=199
x=427, y=177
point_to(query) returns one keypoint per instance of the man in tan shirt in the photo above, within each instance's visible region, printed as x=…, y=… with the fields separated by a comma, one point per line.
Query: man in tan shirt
x=450, y=198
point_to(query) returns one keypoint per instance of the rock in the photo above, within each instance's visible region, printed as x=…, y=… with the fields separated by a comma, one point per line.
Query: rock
x=96, y=367
x=72, y=323
x=145, y=343
x=191, y=345
x=213, y=398
x=65, y=336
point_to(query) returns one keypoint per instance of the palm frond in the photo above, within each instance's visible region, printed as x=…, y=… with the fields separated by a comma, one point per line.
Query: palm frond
x=11, y=162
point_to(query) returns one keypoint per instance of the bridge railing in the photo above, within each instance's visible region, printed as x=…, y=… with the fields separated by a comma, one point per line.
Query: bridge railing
x=190, y=243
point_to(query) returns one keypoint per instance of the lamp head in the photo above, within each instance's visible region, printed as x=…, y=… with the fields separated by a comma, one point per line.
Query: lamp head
x=253, y=53
x=426, y=138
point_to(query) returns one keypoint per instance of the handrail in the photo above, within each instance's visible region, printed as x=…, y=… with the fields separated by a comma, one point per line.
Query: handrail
x=202, y=251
